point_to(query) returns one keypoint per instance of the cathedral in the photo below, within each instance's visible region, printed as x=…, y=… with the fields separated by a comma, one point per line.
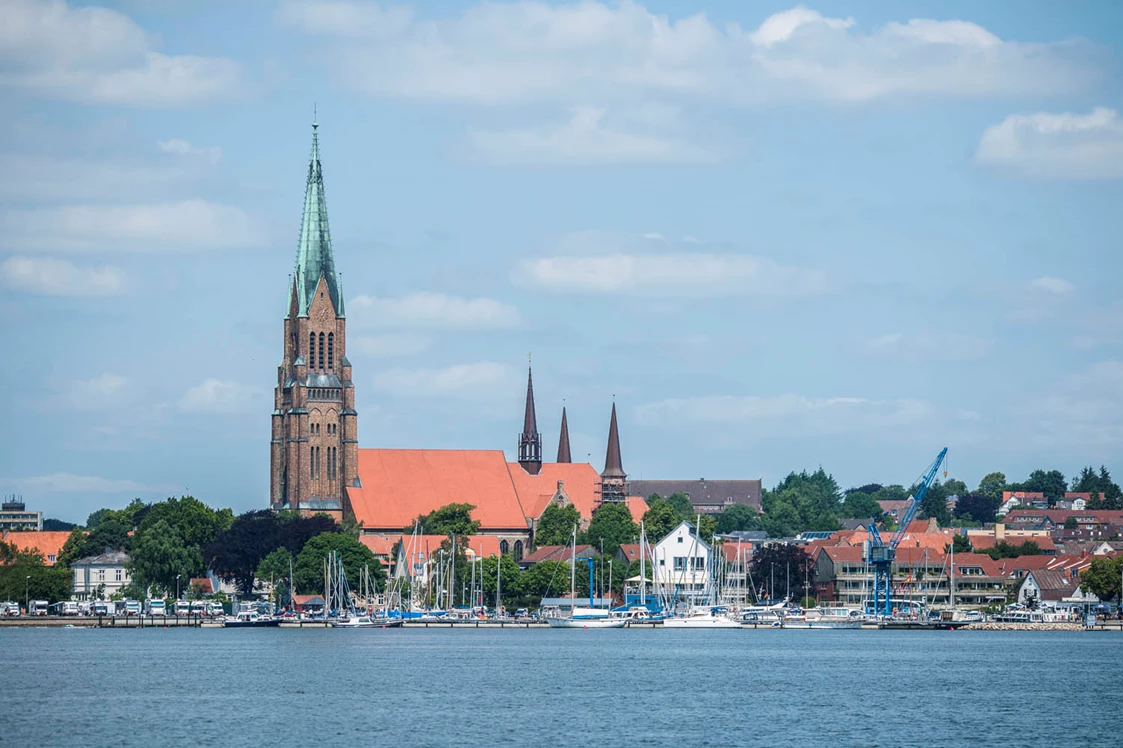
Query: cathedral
x=316, y=465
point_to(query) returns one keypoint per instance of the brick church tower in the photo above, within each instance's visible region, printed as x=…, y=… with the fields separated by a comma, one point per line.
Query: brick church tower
x=314, y=450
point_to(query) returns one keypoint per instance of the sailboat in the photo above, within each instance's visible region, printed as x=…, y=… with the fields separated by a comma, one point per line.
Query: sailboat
x=354, y=619
x=710, y=616
x=591, y=617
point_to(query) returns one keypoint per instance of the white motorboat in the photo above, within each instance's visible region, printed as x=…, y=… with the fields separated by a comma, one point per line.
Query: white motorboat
x=824, y=618
x=599, y=622
x=354, y=622
x=702, y=618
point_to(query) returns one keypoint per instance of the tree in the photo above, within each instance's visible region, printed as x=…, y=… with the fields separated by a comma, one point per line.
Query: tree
x=544, y=579
x=802, y=501
x=980, y=506
x=1051, y=483
x=860, y=505
x=1101, y=578
x=556, y=524
x=57, y=525
x=276, y=567
x=738, y=517
x=659, y=519
x=992, y=485
x=935, y=504
x=955, y=487
x=1071, y=523
x=960, y=544
x=235, y=553
x=309, y=570
x=611, y=525
x=680, y=502
x=51, y=583
x=448, y=520
x=158, y=556
x=1105, y=492
x=779, y=568
x=1002, y=549
x=112, y=533
x=510, y=576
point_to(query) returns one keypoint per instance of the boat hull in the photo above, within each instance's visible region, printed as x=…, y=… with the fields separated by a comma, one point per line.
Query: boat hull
x=587, y=623
x=252, y=624
x=701, y=623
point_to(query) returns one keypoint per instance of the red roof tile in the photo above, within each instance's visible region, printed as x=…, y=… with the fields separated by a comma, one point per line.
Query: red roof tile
x=637, y=505
x=48, y=542
x=398, y=485
x=582, y=485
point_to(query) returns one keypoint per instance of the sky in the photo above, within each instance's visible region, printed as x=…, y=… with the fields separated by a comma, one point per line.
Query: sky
x=841, y=234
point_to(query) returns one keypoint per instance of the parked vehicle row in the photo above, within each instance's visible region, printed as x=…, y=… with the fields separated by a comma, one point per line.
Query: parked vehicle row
x=110, y=608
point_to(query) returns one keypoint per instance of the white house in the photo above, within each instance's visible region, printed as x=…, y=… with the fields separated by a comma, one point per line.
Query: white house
x=683, y=563
x=105, y=574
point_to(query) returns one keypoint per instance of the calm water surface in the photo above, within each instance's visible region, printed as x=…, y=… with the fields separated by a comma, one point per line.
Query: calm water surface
x=438, y=687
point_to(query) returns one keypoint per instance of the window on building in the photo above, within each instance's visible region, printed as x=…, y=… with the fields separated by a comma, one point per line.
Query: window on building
x=680, y=563
x=698, y=562
x=680, y=538
x=321, y=366
x=504, y=547
x=311, y=350
x=331, y=351
x=518, y=550
x=101, y=575
x=118, y=575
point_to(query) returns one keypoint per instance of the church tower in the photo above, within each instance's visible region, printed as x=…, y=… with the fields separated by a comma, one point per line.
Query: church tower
x=563, y=441
x=612, y=481
x=314, y=450
x=530, y=441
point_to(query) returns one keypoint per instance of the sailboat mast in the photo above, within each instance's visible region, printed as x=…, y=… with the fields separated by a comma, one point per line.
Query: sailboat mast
x=573, y=574
x=642, y=565
x=452, y=575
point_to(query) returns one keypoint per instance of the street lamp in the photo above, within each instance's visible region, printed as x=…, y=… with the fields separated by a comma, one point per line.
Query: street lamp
x=177, y=576
x=27, y=594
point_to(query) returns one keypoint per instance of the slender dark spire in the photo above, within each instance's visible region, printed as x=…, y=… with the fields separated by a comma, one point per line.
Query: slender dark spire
x=563, y=440
x=530, y=441
x=613, y=465
x=613, y=486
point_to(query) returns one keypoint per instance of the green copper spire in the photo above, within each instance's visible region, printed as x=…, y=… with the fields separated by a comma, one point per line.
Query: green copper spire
x=313, y=256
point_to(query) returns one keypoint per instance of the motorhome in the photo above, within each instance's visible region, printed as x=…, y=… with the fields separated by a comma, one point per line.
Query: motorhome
x=68, y=608
x=156, y=607
x=104, y=608
x=9, y=608
x=38, y=608
x=132, y=607
x=182, y=608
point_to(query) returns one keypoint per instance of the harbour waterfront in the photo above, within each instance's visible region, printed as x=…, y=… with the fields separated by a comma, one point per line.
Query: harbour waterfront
x=557, y=687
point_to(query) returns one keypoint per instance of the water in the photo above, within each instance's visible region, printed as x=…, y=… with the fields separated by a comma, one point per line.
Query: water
x=438, y=687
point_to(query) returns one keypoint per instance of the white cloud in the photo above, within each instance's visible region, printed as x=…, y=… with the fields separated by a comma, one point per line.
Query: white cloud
x=1059, y=146
x=101, y=56
x=49, y=277
x=593, y=53
x=389, y=346
x=1052, y=285
x=586, y=139
x=211, y=154
x=923, y=347
x=431, y=310
x=677, y=274
x=69, y=483
x=184, y=226
x=103, y=392
x=462, y=380
x=788, y=415
x=217, y=396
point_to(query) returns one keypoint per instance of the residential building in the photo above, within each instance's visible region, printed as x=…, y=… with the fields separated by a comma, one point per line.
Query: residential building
x=98, y=577
x=707, y=497
x=682, y=566
x=14, y=516
x=48, y=543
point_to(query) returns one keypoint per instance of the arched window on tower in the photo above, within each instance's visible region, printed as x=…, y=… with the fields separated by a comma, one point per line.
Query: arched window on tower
x=311, y=358
x=504, y=547
x=321, y=366
x=331, y=351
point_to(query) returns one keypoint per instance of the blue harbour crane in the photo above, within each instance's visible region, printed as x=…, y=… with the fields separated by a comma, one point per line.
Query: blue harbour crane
x=881, y=555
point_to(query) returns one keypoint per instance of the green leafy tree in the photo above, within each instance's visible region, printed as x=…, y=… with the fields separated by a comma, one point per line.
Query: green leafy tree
x=955, y=487
x=802, y=501
x=1102, y=579
x=448, y=520
x=680, y=502
x=960, y=544
x=1049, y=482
x=1105, y=492
x=1071, y=523
x=23, y=575
x=158, y=555
x=556, y=524
x=309, y=570
x=659, y=519
x=236, y=553
x=544, y=579
x=611, y=525
x=57, y=525
x=111, y=532
x=1002, y=549
x=782, y=519
x=992, y=485
x=859, y=505
x=275, y=567
x=979, y=506
x=195, y=522
x=509, y=576
x=935, y=504
x=738, y=517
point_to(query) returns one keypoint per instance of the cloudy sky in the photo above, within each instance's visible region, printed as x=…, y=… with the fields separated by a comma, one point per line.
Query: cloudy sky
x=846, y=233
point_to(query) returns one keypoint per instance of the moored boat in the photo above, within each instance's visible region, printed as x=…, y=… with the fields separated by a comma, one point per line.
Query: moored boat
x=703, y=618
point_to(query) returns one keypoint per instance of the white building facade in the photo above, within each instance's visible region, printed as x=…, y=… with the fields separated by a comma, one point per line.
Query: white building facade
x=98, y=577
x=683, y=565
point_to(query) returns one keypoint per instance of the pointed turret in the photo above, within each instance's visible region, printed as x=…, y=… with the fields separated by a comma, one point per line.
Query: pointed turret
x=563, y=441
x=613, y=478
x=530, y=441
x=314, y=258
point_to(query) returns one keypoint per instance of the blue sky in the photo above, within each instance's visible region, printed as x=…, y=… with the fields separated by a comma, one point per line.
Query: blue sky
x=845, y=233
